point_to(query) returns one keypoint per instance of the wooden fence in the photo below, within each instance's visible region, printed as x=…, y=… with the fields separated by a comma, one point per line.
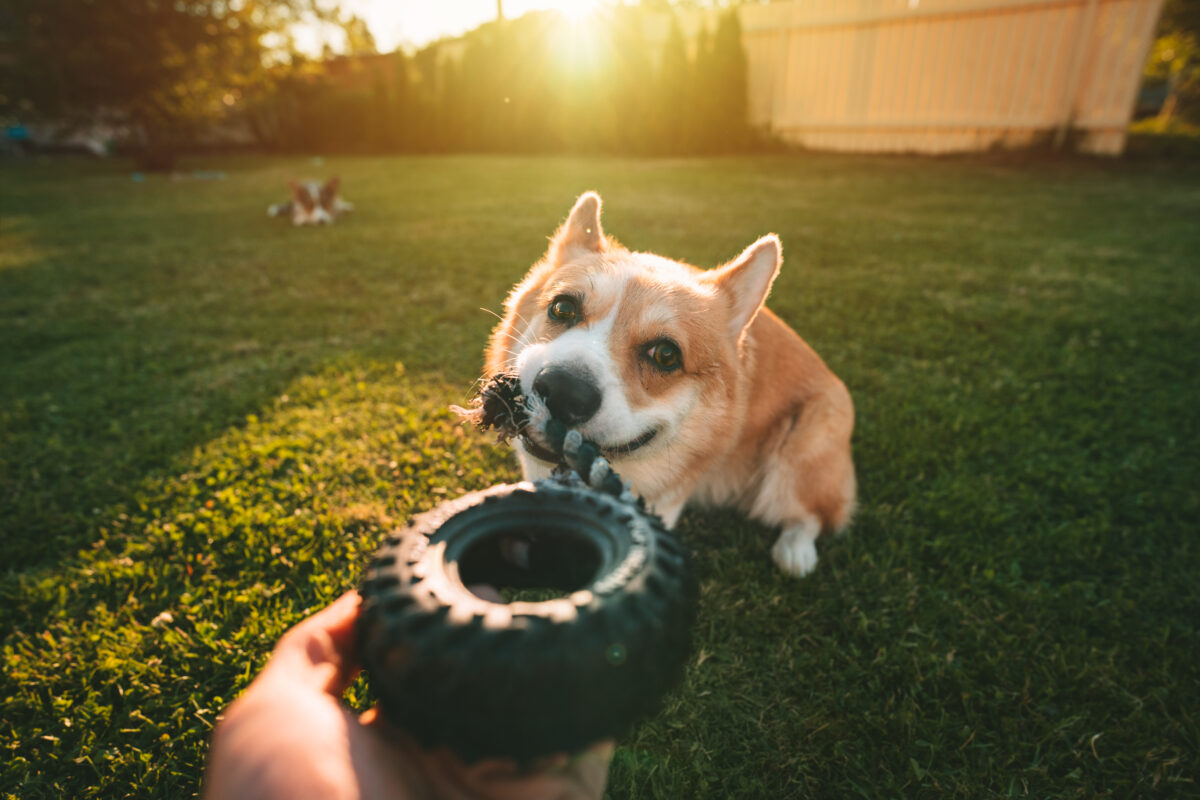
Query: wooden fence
x=946, y=75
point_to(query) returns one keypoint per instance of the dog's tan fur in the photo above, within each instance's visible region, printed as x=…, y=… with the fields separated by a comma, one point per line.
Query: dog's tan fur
x=753, y=419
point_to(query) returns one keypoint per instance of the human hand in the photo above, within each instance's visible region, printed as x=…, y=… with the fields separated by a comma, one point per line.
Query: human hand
x=289, y=736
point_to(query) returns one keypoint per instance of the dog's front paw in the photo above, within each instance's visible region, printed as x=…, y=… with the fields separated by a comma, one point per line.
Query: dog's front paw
x=795, y=552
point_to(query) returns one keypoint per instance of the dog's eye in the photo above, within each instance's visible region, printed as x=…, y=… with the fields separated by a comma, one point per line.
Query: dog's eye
x=666, y=355
x=564, y=309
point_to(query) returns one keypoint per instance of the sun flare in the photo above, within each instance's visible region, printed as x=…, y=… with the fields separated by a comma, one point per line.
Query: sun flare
x=577, y=10
x=417, y=22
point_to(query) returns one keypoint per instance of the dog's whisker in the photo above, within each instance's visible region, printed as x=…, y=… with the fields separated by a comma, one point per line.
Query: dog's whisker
x=512, y=338
x=473, y=392
x=517, y=317
x=521, y=318
x=517, y=337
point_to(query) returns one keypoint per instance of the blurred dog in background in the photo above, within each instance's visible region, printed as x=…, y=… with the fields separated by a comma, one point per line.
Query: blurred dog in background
x=313, y=203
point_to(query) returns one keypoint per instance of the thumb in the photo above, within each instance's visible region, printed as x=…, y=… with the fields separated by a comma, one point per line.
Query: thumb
x=319, y=651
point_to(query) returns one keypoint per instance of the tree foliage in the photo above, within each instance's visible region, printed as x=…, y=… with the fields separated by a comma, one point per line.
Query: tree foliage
x=539, y=83
x=162, y=68
x=1175, y=60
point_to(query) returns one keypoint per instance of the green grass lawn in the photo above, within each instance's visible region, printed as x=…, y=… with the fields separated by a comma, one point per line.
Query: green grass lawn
x=211, y=414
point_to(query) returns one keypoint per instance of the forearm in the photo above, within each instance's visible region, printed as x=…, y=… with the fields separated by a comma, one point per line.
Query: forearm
x=259, y=752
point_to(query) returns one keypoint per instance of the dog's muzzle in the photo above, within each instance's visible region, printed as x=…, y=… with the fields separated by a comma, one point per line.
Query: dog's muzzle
x=570, y=395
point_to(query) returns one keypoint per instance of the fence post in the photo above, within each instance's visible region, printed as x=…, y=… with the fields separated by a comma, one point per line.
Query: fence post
x=1075, y=74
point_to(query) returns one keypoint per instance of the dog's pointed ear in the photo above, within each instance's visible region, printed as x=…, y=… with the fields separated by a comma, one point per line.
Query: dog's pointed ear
x=746, y=281
x=301, y=196
x=329, y=191
x=581, y=231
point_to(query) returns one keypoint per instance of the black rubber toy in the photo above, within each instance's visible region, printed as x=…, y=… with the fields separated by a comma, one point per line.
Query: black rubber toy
x=527, y=679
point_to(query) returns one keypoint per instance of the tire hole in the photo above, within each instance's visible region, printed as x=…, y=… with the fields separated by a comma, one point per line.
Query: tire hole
x=529, y=564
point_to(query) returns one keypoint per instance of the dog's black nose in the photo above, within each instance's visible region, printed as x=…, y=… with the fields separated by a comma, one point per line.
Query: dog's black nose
x=571, y=396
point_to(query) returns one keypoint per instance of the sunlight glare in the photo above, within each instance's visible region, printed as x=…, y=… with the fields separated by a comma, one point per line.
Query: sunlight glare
x=577, y=10
x=417, y=22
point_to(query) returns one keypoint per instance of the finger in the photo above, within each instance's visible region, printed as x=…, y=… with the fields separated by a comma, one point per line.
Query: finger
x=337, y=620
x=319, y=651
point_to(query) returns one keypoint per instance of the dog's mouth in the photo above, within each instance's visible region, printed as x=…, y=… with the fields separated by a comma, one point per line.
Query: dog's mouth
x=543, y=453
x=630, y=446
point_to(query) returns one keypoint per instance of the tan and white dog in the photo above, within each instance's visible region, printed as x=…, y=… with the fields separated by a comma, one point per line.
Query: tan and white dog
x=313, y=203
x=695, y=391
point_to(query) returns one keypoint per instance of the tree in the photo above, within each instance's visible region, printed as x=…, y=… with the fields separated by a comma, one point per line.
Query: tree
x=634, y=88
x=676, y=109
x=1175, y=59
x=359, y=40
x=730, y=83
x=162, y=69
x=706, y=100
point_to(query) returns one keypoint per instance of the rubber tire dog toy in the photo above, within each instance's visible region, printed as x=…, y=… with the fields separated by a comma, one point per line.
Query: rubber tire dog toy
x=526, y=679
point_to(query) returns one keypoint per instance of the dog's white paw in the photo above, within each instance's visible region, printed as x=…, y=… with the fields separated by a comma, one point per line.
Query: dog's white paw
x=795, y=552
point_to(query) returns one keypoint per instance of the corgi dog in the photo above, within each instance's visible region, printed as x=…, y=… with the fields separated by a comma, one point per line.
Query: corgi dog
x=695, y=392
x=313, y=203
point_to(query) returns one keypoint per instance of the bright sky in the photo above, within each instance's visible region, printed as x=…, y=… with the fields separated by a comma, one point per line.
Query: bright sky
x=417, y=22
